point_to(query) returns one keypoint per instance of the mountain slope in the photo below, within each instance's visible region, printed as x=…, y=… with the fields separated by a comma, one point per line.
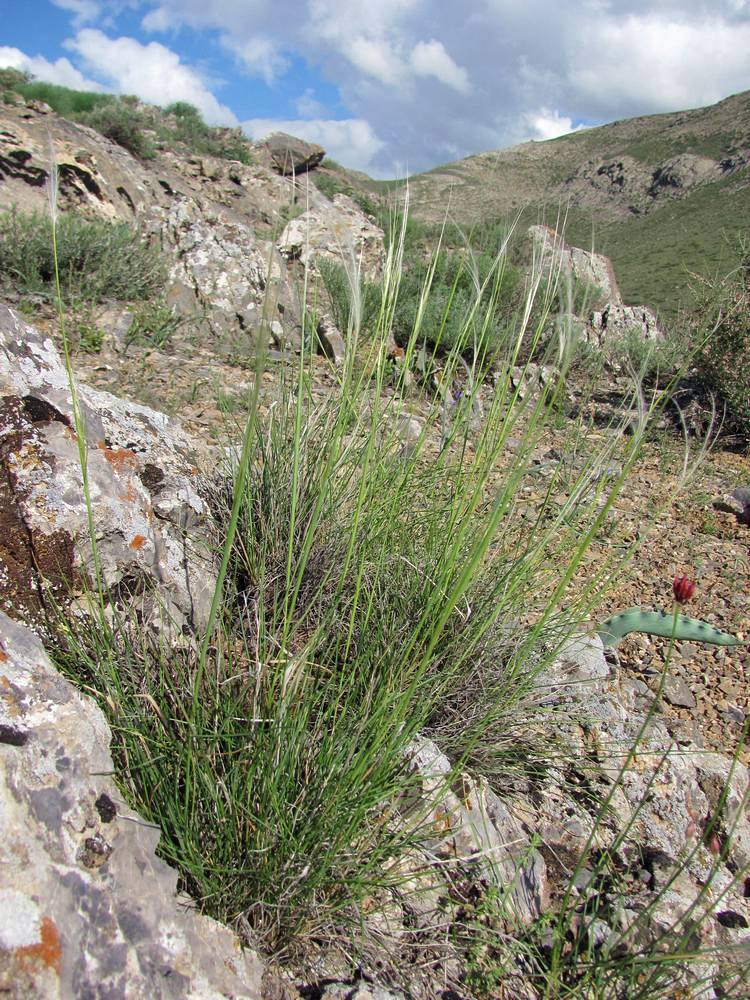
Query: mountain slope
x=662, y=195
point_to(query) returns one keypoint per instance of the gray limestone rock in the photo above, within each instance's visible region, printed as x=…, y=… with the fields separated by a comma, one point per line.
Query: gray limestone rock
x=86, y=908
x=339, y=231
x=472, y=825
x=222, y=275
x=150, y=519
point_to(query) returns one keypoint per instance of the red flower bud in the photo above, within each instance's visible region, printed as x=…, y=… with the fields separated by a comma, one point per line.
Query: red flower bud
x=683, y=589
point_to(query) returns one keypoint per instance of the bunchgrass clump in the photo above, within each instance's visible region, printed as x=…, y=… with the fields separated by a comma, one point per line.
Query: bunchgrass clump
x=97, y=260
x=379, y=575
x=369, y=578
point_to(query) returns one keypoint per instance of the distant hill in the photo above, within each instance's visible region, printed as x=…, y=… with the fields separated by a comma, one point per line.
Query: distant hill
x=661, y=195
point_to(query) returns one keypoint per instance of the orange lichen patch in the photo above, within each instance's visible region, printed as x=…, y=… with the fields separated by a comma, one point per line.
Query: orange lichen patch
x=130, y=495
x=118, y=458
x=11, y=698
x=49, y=949
x=138, y=542
x=3, y=656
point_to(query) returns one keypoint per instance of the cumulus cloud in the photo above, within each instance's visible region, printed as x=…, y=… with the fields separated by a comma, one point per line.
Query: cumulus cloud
x=351, y=140
x=259, y=55
x=431, y=59
x=61, y=71
x=152, y=72
x=432, y=83
x=546, y=124
x=661, y=61
x=84, y=11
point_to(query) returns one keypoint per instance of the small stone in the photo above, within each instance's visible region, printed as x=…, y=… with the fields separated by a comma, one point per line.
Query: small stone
x=677, y=693
x=734, y=714
x=583, y=879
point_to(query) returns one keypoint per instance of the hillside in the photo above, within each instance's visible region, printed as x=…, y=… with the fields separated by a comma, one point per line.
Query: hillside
x=315, y=549
x=661, y=195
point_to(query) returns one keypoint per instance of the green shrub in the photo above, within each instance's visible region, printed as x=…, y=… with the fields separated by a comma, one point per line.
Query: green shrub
x=468, y=304
x=339, y=289
x=721, y=323
x=153, y=324
x=124, y=125
x=12, y=79
x=66, y=102
x=88, y=336
x=98, y=260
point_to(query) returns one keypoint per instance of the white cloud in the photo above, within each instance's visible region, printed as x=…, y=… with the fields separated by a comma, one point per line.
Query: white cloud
x=546, y=124
x=376, y=58
x=659, y=62
x=61, y=71
x=158, y=19
x=434, y=84
x=308, y=106
x=431, y=59
x=259, y=55
x=152, y=72
x=352, y=140
x=84, y=11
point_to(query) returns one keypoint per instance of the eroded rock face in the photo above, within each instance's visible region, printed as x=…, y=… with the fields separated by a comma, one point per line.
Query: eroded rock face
x=86, y=908
x=95, y=175
x=341, y=232
x=150, y=520
x=223, y=276
x=584, y=267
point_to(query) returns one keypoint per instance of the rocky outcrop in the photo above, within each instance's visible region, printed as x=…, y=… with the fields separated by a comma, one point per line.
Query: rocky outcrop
x=150, y=520
x=213, y=218
x=606, y=315
x=616, y=321
x=583, y=267
x=86, y=907
x=224, y=277
x=343, y=234
x=290, y=155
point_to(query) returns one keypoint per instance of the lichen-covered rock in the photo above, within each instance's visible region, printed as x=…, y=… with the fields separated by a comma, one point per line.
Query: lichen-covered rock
x=339, y=231
x=592, y=270
x=223, y=276
x=86, y=908
x=617, y=321
x=150, y=520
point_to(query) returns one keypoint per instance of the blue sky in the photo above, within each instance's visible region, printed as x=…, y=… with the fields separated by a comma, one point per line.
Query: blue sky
x=390, y=86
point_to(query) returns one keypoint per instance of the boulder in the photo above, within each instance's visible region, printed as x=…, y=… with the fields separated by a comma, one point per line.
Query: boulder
x=290, y=155
x=223, y=276
x=86, y=907
x=339, y=231
x=584, y=267
x=617, y=320
x=152, y=525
